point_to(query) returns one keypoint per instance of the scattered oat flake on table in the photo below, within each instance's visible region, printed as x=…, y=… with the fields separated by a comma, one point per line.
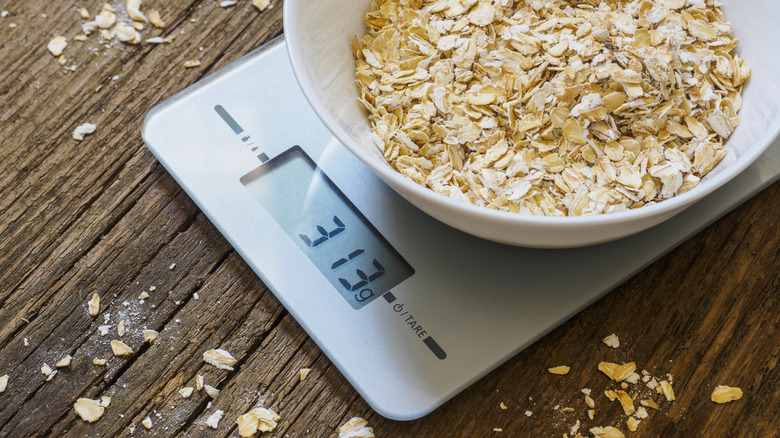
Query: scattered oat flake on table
x=120, y=328
x=191, y=63
x=617, y=372
x=120, y=348
x=589, y=401
x=356, y=427
x=154, y=18
x=227, y=3
x=126, y=33
x=258, y=419
x=606, y=432
x=198, y=382
x=94, y=302
x=502, y=405
x=89, y=410
x=64, y=362
x=105, y=19
x=219, y=358
x=84, y=13
x=303, y=372
x=261, y=4
x=3, y=383
x=724, y=394
x=211, y=391
x=150, y=335
x=528, y=413
x=186, y=392
x=99, y=362
x=575, y=428
x=78, y=134
x=559, y=370
x=57, y=45
x=612, y=341
x=632, y=424
x=105, y=401
x=134, y=10
x=213, y=420
x=147, y=423
x=626, y=402
x=666, y=390
x=46, y=370
x=498, y=429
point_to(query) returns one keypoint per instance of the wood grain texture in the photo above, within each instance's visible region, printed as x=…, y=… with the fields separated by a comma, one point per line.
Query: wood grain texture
x=103, y=216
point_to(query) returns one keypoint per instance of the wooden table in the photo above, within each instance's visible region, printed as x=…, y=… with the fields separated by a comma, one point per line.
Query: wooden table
x=103, y=216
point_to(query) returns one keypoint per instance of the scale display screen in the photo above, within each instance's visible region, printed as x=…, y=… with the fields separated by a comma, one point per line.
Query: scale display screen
x=344, y=246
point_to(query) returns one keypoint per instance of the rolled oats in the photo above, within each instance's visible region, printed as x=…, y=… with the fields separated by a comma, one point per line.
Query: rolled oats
x=150, y=335
x=219, y=358
x=64, y=362
x=356, y=428
x=616, y=372
x=94, y=305
x=57, y=45
x=89, y=410
x=559, y=370
x=3, y=383
x=258, y=419
x=616, y=152
x=725, y=394
x=213, y=420
x=606, y=432
x=119, y=348
x=550, y=108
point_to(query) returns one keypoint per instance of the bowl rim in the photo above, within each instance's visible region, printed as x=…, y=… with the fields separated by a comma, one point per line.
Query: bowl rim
x=386, y=172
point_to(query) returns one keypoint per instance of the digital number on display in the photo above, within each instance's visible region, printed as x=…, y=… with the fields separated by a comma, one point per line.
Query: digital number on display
x=324, y=224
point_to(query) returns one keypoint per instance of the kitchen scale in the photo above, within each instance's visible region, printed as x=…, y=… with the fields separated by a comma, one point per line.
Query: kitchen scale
x=410, y=310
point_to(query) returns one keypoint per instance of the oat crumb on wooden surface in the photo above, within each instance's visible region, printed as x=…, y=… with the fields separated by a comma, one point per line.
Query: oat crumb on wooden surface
x=57, y=45
x=261, y=5
x=94, y=302
x=3, y=383
x=119, y=348
x=258, y=419
x=724, y=394
x=213, y=420
x=219, y=358
x=64, y=362
x=606, y=432
x=211, y=391
x=356, y=427
x=559, y=370
x=150, y=335
x=612, y=341
x=89, y=410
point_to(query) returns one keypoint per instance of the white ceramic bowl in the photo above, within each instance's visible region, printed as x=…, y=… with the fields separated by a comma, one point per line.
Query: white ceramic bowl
x=318, y=34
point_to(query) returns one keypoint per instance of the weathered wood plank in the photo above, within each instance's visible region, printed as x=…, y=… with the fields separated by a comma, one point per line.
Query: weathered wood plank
x=102, y=215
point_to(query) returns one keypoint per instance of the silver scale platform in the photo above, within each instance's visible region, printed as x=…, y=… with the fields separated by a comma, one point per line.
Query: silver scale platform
x=410, y=310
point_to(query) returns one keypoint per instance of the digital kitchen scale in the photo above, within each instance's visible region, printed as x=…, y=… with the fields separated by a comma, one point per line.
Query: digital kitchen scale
x=410, y=310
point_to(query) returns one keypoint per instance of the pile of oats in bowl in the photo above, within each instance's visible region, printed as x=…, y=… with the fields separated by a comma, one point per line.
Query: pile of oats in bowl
x=551, y=107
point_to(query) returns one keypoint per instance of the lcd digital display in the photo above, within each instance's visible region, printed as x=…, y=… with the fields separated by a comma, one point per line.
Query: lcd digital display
x=344, y=246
